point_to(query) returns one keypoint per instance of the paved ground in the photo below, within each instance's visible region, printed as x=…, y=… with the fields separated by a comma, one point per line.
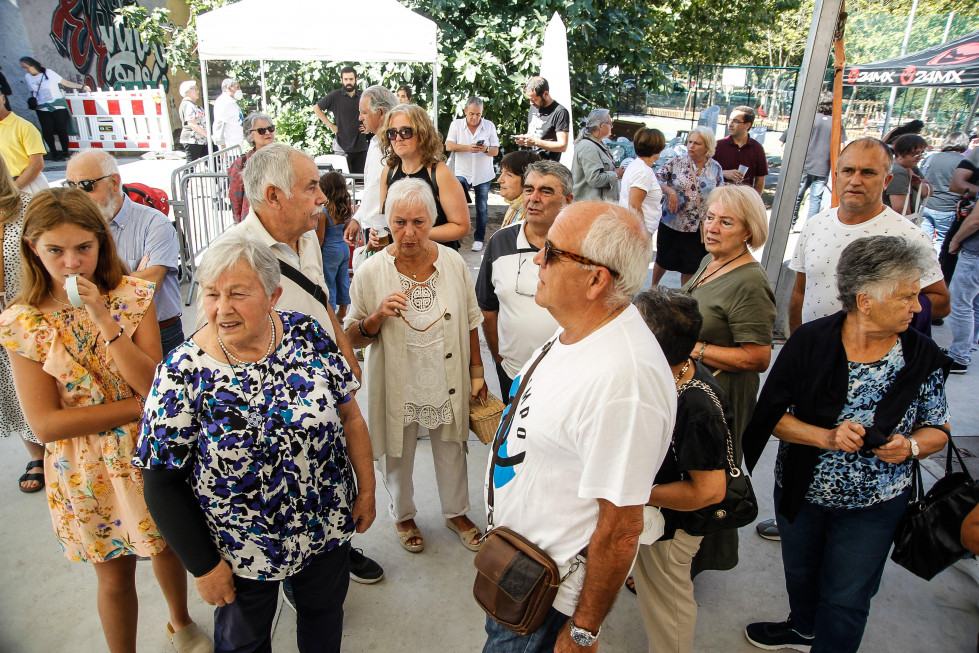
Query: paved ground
x=47, y=604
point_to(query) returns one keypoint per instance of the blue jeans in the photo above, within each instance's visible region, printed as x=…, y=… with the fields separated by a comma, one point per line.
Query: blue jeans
x=245, y=626
x=171, y=337
x=816, y=185
x=336, y=261
x=936, y=224
x=833, y=560
x=482, y=197
x=964, y=318
x=501, y=640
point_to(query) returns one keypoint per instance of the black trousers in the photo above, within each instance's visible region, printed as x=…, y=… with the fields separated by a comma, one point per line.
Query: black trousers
x=245, y=625
x=195, y=151
x=356, y=161
x=54, y=122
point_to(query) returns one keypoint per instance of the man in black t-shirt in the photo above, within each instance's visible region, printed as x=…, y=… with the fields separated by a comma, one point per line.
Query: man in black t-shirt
x=344, y=104
x=548, y=123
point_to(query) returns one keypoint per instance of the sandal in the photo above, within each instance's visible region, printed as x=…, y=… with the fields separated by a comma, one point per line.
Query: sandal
x=466, y=537
x=190, y=639
x=27, y=477
x=404, y=536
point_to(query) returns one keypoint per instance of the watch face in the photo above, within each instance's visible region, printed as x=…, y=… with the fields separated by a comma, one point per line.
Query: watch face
x=582, y=637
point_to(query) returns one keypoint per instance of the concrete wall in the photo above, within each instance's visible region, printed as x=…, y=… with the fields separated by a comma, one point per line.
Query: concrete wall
x=80, y=41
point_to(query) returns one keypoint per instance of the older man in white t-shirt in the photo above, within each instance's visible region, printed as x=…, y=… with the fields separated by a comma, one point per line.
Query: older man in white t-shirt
x=575, y=458
x=862, y=172
x=473, y=142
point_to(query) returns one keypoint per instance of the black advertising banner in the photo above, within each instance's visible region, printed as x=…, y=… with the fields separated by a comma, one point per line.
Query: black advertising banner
x=951, y=65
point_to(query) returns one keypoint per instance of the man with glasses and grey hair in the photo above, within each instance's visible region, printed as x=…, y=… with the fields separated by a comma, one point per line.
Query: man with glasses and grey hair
x=473, y=143
x=574, y=461
x=145, y=238
x=282, y=187
x=226, y=130
x=375, y=102
x=513, y=323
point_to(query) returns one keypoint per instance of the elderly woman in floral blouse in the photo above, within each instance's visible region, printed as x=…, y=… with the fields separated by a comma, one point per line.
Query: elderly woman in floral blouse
x=686, y=181
x=250, y=445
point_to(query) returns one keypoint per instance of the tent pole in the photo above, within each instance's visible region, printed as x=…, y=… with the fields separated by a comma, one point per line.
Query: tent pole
x=207, y=115
x=924, y=109
x=966, y=127
x=904, y=51
x=435, y=88
x=265, y=104
x=822, y=32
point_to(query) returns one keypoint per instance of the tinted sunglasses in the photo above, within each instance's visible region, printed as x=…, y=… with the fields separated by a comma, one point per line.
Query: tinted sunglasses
x=265, y=130
x=552, y=252
x=405, y=133
x=87, y=185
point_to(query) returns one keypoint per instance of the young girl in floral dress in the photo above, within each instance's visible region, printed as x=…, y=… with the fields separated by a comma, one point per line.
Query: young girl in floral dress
x=81, y=371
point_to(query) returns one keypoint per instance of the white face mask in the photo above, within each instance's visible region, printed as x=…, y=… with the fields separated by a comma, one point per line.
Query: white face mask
x=238, y=94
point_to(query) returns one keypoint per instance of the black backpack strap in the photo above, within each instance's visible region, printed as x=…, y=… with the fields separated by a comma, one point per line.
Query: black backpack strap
x=303, y=282
x=435, y=184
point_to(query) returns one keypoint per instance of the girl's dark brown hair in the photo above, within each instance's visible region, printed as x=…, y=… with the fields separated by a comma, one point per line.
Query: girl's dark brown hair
x=50, y=209
x=334, y=186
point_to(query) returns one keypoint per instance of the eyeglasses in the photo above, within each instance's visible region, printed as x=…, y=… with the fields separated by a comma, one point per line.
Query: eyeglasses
x=551, y=252
x=412, y=326
x=87, y=185
x=405, y=133
x=736, y=121
x=263, y=130
x=516, y=282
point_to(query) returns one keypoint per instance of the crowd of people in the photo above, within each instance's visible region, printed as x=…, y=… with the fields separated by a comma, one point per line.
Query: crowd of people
x=240, y=454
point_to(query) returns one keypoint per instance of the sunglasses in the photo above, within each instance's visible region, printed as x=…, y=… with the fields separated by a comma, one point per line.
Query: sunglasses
x=405, y=133
x=265, y=130
x=552, y=252
x=87, y=185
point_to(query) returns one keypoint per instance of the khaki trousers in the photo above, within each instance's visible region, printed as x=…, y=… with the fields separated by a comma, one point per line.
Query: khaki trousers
x=451, y=475
x=665, y=590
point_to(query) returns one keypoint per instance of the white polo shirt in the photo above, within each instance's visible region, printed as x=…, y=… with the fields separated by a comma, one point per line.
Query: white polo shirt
x=474, y=168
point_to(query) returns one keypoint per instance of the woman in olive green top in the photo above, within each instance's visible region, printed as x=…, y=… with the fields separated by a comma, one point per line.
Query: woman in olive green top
x=738, y=307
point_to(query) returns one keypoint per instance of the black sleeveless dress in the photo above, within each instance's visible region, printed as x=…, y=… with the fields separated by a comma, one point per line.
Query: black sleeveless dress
x=428, y=176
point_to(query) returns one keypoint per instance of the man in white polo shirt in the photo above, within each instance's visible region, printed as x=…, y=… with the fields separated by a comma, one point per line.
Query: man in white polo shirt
x=473, y=142
x=513, y=323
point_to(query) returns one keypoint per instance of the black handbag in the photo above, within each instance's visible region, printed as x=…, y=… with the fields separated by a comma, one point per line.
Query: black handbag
x=32, y=100
x=739, y=506
x=928, y=537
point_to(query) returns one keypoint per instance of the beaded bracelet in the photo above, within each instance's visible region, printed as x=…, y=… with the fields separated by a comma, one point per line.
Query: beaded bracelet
x=109, y=342
x=141, y=402
x=701, y=357
x=363, y=332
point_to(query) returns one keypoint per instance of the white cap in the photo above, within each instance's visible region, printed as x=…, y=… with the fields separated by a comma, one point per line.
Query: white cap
x=186, y=86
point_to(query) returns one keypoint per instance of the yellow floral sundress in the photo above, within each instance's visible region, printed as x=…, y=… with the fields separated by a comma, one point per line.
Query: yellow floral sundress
x=94, y=493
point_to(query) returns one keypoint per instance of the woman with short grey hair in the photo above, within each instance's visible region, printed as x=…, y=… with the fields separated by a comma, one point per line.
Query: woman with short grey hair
x=593, y=169
x=854, y=398
x=256, y=459
x=259, y=131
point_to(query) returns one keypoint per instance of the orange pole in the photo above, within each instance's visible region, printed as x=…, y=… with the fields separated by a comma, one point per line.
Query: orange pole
x=839, y=62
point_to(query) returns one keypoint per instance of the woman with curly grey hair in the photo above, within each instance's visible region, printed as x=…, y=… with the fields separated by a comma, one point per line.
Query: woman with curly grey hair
x=593, y=169
x=867, y=397
x=259, y=131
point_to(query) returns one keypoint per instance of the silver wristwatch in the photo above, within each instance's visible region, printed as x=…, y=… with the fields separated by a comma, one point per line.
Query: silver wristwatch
x=915, y=449
x=583, y=637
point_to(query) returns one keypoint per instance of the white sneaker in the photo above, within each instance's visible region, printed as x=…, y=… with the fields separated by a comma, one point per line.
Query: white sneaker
x=477, y=245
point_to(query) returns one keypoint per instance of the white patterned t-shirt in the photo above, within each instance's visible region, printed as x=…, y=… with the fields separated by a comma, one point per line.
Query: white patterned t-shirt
x=824, y=238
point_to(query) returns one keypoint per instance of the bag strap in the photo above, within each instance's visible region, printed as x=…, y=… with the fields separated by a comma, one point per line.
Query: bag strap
x=505, y=429
x=948, y=459
x=733, y=468
x=303, y=282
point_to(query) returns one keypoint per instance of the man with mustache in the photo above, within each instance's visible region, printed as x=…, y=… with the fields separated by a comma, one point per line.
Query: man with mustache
x=344, y=104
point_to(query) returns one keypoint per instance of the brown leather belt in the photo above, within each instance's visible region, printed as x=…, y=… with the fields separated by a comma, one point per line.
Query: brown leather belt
x=166, y=323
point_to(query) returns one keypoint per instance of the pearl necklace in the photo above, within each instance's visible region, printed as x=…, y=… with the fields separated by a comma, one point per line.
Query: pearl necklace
x=229, y=355
x=254, y=417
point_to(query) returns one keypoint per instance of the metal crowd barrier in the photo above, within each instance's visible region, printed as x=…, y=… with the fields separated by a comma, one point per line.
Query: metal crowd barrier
x=202, y=210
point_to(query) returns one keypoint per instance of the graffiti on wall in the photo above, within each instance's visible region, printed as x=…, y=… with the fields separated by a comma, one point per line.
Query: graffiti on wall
x=107, y=55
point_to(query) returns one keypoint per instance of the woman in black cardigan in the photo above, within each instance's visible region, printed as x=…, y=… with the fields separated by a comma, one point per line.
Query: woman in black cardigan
x=853, y=398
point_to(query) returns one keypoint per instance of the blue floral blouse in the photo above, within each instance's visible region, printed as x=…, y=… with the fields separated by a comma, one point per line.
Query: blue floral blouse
x=856, y=480
x=276, y=495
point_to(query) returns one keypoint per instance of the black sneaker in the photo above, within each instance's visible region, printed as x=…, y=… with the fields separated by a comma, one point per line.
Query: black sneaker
x=768, y=529
x=958, y=368
x=363, y=569
x=290, y=600
x=772, y=636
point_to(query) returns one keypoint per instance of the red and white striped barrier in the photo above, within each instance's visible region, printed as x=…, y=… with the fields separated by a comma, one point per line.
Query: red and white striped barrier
x=121, y=120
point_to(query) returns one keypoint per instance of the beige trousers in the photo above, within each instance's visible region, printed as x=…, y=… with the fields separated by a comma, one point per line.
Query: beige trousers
x=451, y=475
x=665, y=589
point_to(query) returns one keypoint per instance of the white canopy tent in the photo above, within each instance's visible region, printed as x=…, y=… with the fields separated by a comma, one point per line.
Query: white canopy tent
x=290, y=30
x=555, y=69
